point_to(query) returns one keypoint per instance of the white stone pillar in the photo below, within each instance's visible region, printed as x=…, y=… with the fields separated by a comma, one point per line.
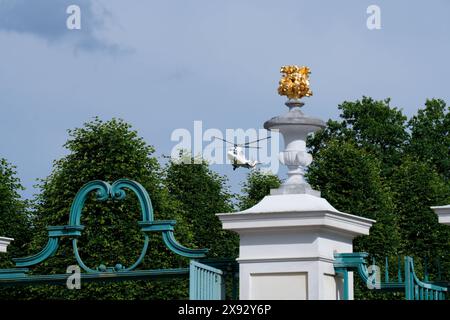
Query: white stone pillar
x=444, y=214
x=288, y=240
x=287, y=246
x=4, y=242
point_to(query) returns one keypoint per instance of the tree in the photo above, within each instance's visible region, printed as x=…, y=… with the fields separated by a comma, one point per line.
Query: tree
x=372, y=125
x=14, y=221
x=349, y=178
x=414, y=168
x=107, y=151
x=430, y=136
x=203, y=193
x=256, y=187
x=417, y=186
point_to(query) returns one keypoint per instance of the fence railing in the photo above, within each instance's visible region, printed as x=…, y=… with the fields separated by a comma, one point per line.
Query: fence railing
x=416, y=289
x=413, y=288
x=205, y=282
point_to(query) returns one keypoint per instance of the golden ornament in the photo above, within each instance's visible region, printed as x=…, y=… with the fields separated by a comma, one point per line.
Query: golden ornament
x=295, y=82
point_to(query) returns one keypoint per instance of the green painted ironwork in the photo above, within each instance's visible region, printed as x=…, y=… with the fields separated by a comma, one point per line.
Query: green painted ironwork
x=230, y=275
x=23, y=278
x=414, y=288
x=205, y=282
x=420, y=290
x=74, y=229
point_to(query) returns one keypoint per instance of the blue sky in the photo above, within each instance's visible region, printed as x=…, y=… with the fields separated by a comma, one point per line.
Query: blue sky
x=162, y=64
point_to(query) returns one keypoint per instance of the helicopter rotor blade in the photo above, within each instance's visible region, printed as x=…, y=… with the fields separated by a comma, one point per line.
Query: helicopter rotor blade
x=257, y=140
x=224, y=147
x=246, y=147
x=224, y=140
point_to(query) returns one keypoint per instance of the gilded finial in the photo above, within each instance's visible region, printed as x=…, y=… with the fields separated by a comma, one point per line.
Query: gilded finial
x=295, y=82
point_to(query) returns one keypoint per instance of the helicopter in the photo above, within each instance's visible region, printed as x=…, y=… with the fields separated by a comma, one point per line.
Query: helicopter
x=236, y=154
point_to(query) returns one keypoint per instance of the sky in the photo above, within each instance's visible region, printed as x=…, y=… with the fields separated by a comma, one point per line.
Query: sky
x=163, y=64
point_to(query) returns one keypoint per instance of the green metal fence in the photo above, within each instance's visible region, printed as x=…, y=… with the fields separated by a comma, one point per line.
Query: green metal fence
x=205, y=282
x=413, y=288
x=419, y=290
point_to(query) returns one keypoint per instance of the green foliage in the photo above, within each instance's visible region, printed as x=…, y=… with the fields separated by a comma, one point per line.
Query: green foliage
x=256, y=187
x=372, y=125
x=418, y=186
x=368, y=164
x=349, y=178
x=430, y=136
x=203, y=193
x=107, y=151
x=14, y=223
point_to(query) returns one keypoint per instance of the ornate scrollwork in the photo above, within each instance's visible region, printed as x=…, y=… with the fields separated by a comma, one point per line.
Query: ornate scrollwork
x=103, y=192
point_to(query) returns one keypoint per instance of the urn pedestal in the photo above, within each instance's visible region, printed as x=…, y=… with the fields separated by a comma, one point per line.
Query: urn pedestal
x=288, y=240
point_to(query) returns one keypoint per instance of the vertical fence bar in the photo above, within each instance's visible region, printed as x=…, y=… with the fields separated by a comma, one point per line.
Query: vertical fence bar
x=200, y=284
x=192, y=282
x=223, y=292
x=346, y=285
x=205, y=284
x=407, y=280
x=214, y=287
x=211, y=281
x=386, y=270
x=206, y=281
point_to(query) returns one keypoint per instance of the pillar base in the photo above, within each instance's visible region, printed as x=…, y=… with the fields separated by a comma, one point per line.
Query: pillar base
x=287, y=246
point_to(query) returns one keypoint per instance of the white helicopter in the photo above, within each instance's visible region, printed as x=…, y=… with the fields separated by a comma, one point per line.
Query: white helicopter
x=236, y=154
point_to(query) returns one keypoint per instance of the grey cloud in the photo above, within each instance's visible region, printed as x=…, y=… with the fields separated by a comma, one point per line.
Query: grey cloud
x=46, y=19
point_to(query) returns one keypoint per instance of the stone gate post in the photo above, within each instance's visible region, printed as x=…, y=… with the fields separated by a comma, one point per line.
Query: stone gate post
x=288, y=240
